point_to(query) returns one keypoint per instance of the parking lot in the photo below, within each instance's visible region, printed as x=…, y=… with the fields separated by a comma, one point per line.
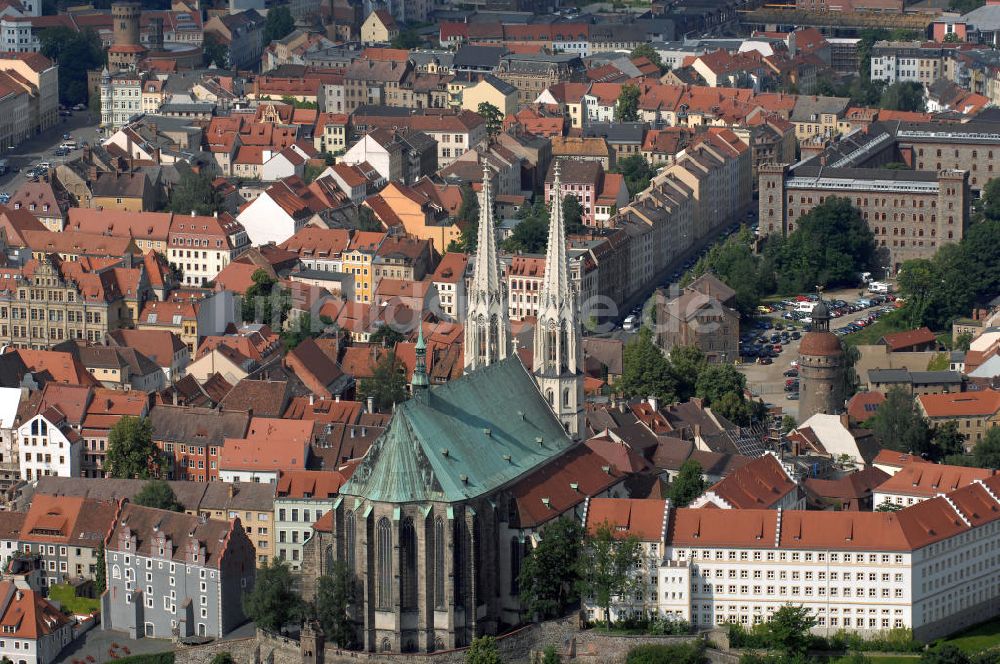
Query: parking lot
x=80, y=126
x=766, y=376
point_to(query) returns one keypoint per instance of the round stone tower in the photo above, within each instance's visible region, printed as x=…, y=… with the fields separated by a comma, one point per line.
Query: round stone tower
x=127, y=50
x=821, y=368
x=125, y=16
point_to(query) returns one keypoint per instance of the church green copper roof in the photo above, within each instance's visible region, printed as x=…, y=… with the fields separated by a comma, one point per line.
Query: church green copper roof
x=460, y=440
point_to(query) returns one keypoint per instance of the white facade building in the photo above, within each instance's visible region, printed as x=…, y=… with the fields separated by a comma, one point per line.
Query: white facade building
x=47, y=447
x=932, y=567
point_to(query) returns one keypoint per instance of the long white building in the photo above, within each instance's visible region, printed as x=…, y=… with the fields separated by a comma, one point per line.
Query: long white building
x=933, y=567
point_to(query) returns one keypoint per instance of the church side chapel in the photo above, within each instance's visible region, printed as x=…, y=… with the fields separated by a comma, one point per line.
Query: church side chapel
x=428, y=525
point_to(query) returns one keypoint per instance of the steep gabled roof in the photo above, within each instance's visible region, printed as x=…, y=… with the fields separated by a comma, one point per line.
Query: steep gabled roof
x=458, y=441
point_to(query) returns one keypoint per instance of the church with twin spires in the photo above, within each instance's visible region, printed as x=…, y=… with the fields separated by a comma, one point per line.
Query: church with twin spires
x=428, y=526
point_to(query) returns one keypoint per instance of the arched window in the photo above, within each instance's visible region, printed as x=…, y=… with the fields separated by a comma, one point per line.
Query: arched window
x=34, y=427
x=458, y=562
x=516, y=549
x=116, y=572
x=550, y=397
x=494, y=340
x=383, y=539
x=477, y=560
x=563, y=347
x=566, y=396
x=351, y=543
x=328, y=560
x=439, y=563
x=408, y=564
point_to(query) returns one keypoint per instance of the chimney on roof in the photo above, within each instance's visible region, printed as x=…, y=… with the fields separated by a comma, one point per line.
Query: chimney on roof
x=311, y=399
x=234, y=488
x=175, y=396
x=653, y=402
x=371, y=404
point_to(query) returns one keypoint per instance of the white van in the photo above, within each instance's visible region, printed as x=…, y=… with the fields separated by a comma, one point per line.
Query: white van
x=879, y=287
x=630, y=323
x=805, y=307
x=69, y=145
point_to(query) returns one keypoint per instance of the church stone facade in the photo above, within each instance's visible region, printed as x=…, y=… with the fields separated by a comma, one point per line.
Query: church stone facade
x=427, y=525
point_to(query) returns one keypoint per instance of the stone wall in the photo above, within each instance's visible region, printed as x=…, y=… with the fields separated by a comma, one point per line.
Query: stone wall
x=521, y=645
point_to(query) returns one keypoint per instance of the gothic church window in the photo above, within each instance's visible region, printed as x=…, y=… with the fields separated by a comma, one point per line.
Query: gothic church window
x=408, y=564
x=383, y=539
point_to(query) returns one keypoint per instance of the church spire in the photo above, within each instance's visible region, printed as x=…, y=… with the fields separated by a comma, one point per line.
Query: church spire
x=556, y=358
x=556, y=286
x=420, y=381
x=487, y=330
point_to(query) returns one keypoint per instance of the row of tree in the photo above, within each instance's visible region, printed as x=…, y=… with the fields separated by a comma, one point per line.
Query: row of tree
x=830, y=247
x=647, y=372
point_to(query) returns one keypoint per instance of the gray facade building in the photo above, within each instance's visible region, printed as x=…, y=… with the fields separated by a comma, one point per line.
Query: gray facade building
x=172, y=574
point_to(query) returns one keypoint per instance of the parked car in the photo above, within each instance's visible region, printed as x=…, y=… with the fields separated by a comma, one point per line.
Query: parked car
x=792, y=396
x=791, y=373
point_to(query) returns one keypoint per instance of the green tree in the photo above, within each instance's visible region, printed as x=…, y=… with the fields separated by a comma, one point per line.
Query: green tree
x=386, y=336
x=963, y=341
x=549, y=573
x=367, y=220
x=76, y=53
x=131, y=452
x=686, y=364
x=788, y=629
x=627, y=106
x=215, y=51
x=273, y=603
x=636, y=171
x=573, y=215
x=888, y=506
x=987, y=451
x=158, y=494
x=531, y=234
x=831, y=245
x=265, y=299
x=493, y=117
x=387, y=384
x=898, y=425
x=674, y=653
x=947, y=439
x=723, y=389
x=334, y=595
x=688, y=485
x=550, y=655
x=406, y=39
x=223, y=658
x=278, y=24
x=737, y=264
x=647, y=51
x=101, y=571
x=298, y=330
x=312, y=171
x=483, y=650
x=194, y=193
x=788, y=424
x=468, y=220
x=965, y=6
x=908, y=96
x=945, y=654
x=607, y=563
x=646, y=371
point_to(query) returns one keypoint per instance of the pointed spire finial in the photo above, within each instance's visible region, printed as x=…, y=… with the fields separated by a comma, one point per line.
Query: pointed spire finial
x=420, y=380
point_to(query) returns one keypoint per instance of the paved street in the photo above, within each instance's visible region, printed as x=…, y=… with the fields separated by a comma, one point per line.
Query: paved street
x=81, y=126
x=98, y=644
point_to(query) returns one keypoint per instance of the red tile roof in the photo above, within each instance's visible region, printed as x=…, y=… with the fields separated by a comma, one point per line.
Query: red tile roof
x=961, y=404
x=644, y=518
x=759, y=484
x=930, y=479
x=900, y=340
x=309, y=484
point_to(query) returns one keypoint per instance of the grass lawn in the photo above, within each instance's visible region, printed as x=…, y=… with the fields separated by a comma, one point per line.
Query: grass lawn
x=979, y=638
x=882, y=659
x=868, y=334
x=66, y=597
